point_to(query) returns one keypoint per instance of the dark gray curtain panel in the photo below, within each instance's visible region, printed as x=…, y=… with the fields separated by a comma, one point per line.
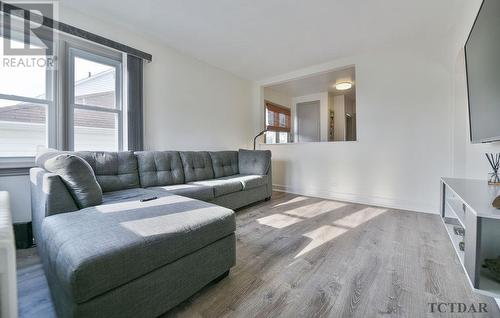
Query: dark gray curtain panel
x=135, y=101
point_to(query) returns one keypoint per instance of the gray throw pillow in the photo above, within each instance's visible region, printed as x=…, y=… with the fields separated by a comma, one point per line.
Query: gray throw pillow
x=78, y=176
x=43, y=154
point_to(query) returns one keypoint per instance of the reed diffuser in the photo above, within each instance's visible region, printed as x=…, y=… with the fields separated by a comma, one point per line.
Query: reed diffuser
x=494, y=160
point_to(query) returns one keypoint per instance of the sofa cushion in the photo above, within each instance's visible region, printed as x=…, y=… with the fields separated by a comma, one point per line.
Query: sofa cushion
x=249, y=181
x=131, y=194
x=97, y=249
x=224, y=163
x=194, y=191
x=254, y=161
x=221, y=186
x=114, y=170
x=78, y=177
x=197, y=165
x=159, y=168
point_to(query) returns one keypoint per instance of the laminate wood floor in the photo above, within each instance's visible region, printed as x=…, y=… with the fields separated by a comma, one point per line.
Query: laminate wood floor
x=299, y=256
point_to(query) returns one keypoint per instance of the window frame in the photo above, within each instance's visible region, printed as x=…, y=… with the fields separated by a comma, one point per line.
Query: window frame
x=73, y=52
x=278, y=109
x=276, y=126
x=59, y=130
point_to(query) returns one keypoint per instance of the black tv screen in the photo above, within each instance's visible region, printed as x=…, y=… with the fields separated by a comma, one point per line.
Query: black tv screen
x=482, y=56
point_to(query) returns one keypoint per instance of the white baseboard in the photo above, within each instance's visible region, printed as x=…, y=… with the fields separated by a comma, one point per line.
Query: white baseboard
x=367, y=200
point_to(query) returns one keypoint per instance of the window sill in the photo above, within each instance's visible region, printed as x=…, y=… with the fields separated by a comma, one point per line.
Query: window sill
x=310, y=142
x=16, y=166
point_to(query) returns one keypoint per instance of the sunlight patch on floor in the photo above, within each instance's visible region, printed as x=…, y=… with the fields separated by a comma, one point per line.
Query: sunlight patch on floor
x=360, y=217
x=294, y=200
x=320, y=236
x=316, y=209
x=326, y=233
x=293, y=216
x=278, y=221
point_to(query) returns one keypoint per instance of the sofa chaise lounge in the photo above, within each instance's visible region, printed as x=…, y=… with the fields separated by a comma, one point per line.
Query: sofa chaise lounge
x=132, y=258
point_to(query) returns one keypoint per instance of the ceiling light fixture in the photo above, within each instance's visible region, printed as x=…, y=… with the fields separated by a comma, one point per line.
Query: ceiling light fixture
x=343, y=86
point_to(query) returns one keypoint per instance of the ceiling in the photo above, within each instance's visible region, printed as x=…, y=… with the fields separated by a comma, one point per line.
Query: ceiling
x=257, y=39
x=317, y=84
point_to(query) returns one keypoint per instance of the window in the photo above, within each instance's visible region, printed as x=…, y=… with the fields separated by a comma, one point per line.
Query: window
x=60, y=90
x=270, y=137
x=283, y=137
x=29, y=109
x=277, y=123
x=269, y=118
x=26, y=107
x=282, y=120
x=96, y=115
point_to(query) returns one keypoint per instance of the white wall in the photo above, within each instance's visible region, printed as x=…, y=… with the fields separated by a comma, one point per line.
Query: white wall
x=469, y=160
x=193, y=106
x=412, y=127
x=188, y=104
x=277, y=97
x=403, y=101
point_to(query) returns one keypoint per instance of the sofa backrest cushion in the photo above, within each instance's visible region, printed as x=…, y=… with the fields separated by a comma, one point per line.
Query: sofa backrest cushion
x=197, y=165
x=224, y=163
x=78, y=177
x=159, y=168
x=254, y=161
x=114, y=170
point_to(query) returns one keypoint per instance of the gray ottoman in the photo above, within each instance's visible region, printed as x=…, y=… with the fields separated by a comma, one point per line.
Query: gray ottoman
x=132, y=258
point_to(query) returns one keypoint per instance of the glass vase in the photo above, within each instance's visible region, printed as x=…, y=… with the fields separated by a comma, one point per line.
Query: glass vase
x=493, y=178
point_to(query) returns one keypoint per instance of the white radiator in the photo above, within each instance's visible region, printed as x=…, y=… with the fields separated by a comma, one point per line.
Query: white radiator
x=8, y=288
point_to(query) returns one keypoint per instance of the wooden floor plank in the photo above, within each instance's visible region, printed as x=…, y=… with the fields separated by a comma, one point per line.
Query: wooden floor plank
x=299, y=256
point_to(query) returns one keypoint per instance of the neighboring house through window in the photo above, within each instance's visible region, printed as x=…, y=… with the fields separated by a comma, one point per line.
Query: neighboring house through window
x=26, y=107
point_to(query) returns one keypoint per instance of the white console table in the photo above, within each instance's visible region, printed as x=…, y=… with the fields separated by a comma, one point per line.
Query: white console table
x=466, y=204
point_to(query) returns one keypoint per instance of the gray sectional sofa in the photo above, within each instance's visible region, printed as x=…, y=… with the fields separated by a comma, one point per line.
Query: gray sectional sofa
x=130, y=258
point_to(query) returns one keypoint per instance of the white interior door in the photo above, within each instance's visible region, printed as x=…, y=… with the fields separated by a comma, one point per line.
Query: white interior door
x=308, y=122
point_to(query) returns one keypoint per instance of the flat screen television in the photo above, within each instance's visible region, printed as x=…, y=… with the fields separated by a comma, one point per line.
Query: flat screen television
x=482, y=57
